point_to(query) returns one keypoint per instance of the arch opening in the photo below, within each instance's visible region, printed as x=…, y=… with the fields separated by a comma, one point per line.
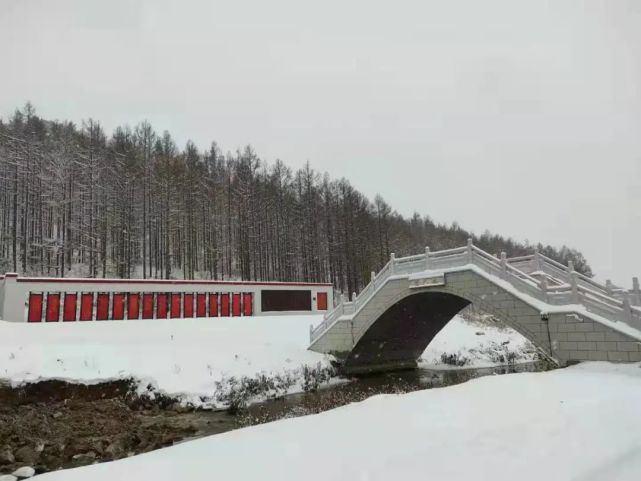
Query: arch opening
x=400, y=335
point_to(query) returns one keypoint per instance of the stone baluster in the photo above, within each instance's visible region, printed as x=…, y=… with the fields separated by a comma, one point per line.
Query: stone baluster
x=544, y=287
x=392, y=260
x=570, y=266
x=427, y=258
x=574, y=282
x=470, y=250
x=538, y=264
x=627, y=307
x=372, y=277
x=609, y=288
x=503, y=264
x=636, y=291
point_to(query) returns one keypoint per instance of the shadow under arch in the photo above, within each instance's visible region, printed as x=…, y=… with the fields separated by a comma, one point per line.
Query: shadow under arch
x=400, y=335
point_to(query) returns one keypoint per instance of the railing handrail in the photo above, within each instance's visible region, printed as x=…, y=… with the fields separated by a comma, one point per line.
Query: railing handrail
x=551, y=261
x=565, y=274
x=416, y=257
x=528, y=257
x=447, y=252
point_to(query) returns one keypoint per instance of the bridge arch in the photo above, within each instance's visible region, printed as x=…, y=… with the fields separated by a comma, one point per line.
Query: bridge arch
x=394, y=333
x=401, y=333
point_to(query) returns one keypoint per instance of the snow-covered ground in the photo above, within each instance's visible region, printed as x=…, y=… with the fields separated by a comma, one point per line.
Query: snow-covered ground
x=580, y=423
x=187, y=357
x=184, y=357
x=476, y=345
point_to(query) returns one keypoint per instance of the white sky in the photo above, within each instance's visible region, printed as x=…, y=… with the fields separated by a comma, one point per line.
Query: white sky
x=520, y=116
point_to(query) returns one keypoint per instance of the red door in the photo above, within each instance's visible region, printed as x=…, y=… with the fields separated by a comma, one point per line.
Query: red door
x=102, y=307
x=133, y=305
x=86, y=306
x=175, y=305
x=188, y=305
x=248, y=304
x=213, y=305
x=53, y=307
x=147, y=306
x=224, y=305
x=321, y=301
x=118, y=313
x=35, y=308
x=201, y=305
x=235, y=306
x=161, y=306
x=69, y=309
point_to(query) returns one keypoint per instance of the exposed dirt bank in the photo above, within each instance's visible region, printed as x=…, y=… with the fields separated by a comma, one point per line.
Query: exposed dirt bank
x=52, y=425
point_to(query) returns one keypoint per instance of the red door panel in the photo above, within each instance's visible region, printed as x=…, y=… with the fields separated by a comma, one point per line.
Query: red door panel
x=69, y=309
x=102, y=306
x=147, y=306
x=86, y=306
x=53, y=307
x=235, y=306
x=224, y=305
x=248, y=304
x=175, y=305
x=213, y=305
x=201, y=305
x=133, y=305
x=321, y=301
x=118, y=313
x=188, y=305
x=35, y=307
x=161, y=306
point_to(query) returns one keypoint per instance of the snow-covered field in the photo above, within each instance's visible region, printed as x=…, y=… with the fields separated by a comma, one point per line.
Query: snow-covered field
x=179, y=357
x=580, y=423
x=186, y=357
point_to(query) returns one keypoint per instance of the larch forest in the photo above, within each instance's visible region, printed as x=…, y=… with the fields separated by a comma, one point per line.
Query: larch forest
x=77, y=202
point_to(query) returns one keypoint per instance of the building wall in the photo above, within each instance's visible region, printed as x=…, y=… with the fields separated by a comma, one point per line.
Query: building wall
x=15, y=291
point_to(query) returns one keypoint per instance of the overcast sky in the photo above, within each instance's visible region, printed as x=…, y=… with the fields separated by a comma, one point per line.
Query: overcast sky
x=522, y=117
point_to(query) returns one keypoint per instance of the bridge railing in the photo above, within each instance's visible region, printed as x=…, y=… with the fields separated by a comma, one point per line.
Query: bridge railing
x=522, y=273
x=574, y=288
x=538, y=264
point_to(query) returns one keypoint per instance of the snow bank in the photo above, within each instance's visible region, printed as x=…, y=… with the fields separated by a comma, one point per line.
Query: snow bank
x=479, y=344
x=182, y=357
x=580, y=423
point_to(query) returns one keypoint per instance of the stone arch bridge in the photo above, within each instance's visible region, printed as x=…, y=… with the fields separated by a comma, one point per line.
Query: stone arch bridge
x=567, y=316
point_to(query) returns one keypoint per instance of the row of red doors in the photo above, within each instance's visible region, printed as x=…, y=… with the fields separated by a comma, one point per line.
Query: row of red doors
x=104, y=306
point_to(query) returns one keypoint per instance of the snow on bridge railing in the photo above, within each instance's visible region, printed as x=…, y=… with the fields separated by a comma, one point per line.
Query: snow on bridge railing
x=573, y=287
